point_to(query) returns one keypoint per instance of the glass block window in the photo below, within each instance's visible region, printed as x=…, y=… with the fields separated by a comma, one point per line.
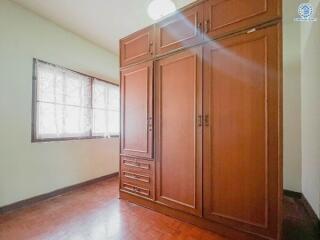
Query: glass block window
x=71, y=105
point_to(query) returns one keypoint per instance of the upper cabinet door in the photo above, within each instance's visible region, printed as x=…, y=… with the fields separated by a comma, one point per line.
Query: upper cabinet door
x=226, y=16
x=137, y=47
x=180, y=30
x=242, y=133
x=137, y=110
x=179, y=131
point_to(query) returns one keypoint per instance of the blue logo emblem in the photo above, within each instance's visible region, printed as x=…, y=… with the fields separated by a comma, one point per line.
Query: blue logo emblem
x=305, y=11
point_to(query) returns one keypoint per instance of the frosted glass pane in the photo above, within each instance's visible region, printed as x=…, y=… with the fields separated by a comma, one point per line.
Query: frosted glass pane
x=99, y=122
x=72, y=120
x=46, y=85
x=72, y=91
x=113, y=123
x=98, y=100
x=46, y=119
x=114, y=98
x=59, y=94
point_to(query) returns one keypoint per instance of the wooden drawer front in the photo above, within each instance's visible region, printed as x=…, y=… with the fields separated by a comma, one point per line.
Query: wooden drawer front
x=179, y=31
x=135, y=177
x=137, y=47
x=137, y=165
x=225, y=16
x=136, y=189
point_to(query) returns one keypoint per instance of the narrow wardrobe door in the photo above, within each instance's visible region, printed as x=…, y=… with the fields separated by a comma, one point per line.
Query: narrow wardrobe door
x=179, y=131
x=137, y=110
x=242, y=136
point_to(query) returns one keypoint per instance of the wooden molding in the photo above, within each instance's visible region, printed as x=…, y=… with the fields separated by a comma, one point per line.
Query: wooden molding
x=42, y=197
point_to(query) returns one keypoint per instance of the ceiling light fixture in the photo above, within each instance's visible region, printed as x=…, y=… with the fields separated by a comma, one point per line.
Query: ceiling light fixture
x=160, y=8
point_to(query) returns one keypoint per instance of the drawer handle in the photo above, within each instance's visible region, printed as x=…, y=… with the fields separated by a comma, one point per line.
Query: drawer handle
x=137, y=190
x=136, y=164
x=137, y=177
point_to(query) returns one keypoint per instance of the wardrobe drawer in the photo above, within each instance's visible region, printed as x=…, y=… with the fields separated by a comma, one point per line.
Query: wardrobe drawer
x=137, y=176
x=137, y=189
x=144, y=179
x=137, y=165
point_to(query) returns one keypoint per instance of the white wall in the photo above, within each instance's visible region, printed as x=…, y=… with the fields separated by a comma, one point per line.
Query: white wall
x=301, y=58
x=29, y=169
x=310, y=94
x=291, y=97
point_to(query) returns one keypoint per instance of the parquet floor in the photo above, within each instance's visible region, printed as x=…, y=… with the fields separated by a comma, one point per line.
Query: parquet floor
x=94, y=212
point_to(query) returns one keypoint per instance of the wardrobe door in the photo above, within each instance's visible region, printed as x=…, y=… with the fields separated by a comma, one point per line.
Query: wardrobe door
x=226, y=16
x=179, y=131
x=137, y=110
x=137, y=47
x=242, y=133
x=180, y=30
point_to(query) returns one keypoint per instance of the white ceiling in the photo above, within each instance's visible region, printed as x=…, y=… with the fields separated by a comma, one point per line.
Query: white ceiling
x=102, y=22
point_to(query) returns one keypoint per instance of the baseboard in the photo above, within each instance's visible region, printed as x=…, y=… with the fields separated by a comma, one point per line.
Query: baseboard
x=42, y=197
x=292, y=194
x=313, y=216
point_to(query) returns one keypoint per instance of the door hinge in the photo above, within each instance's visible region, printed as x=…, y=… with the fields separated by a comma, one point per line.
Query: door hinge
x=151, y=48
x=199, y=26
x=150, y=123
x=206, y=26
x=200, y=121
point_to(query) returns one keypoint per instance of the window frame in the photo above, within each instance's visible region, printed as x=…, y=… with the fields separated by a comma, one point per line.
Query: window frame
x=34, y=119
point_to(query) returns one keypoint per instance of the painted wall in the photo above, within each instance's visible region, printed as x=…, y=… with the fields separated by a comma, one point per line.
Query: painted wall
x=291, y=97
x=29, y=169
x=310, y=106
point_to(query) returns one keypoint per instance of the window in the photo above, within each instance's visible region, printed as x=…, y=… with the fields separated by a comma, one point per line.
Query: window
x=71, y=105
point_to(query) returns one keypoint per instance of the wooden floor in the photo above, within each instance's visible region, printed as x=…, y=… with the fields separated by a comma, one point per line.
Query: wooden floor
x=94, y=213
x=298, y=224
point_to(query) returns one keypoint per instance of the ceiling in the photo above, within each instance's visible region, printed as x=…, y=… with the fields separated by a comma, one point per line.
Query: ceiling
x=102, y=22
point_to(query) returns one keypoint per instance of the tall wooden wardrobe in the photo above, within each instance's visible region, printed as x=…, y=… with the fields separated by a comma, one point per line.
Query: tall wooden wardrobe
x=201, y=117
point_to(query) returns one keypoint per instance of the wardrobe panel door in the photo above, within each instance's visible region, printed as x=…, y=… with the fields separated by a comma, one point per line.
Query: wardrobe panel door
x=180, y=30
x=137, y=110
x=226, y=16
x=242, y=150
x=179, y=135
x=137, y=47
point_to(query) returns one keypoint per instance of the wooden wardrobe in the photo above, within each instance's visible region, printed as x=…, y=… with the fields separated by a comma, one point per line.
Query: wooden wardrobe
x=201, y=117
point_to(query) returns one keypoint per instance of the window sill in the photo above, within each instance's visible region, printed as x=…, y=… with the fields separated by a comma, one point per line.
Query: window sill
x=48, y=140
